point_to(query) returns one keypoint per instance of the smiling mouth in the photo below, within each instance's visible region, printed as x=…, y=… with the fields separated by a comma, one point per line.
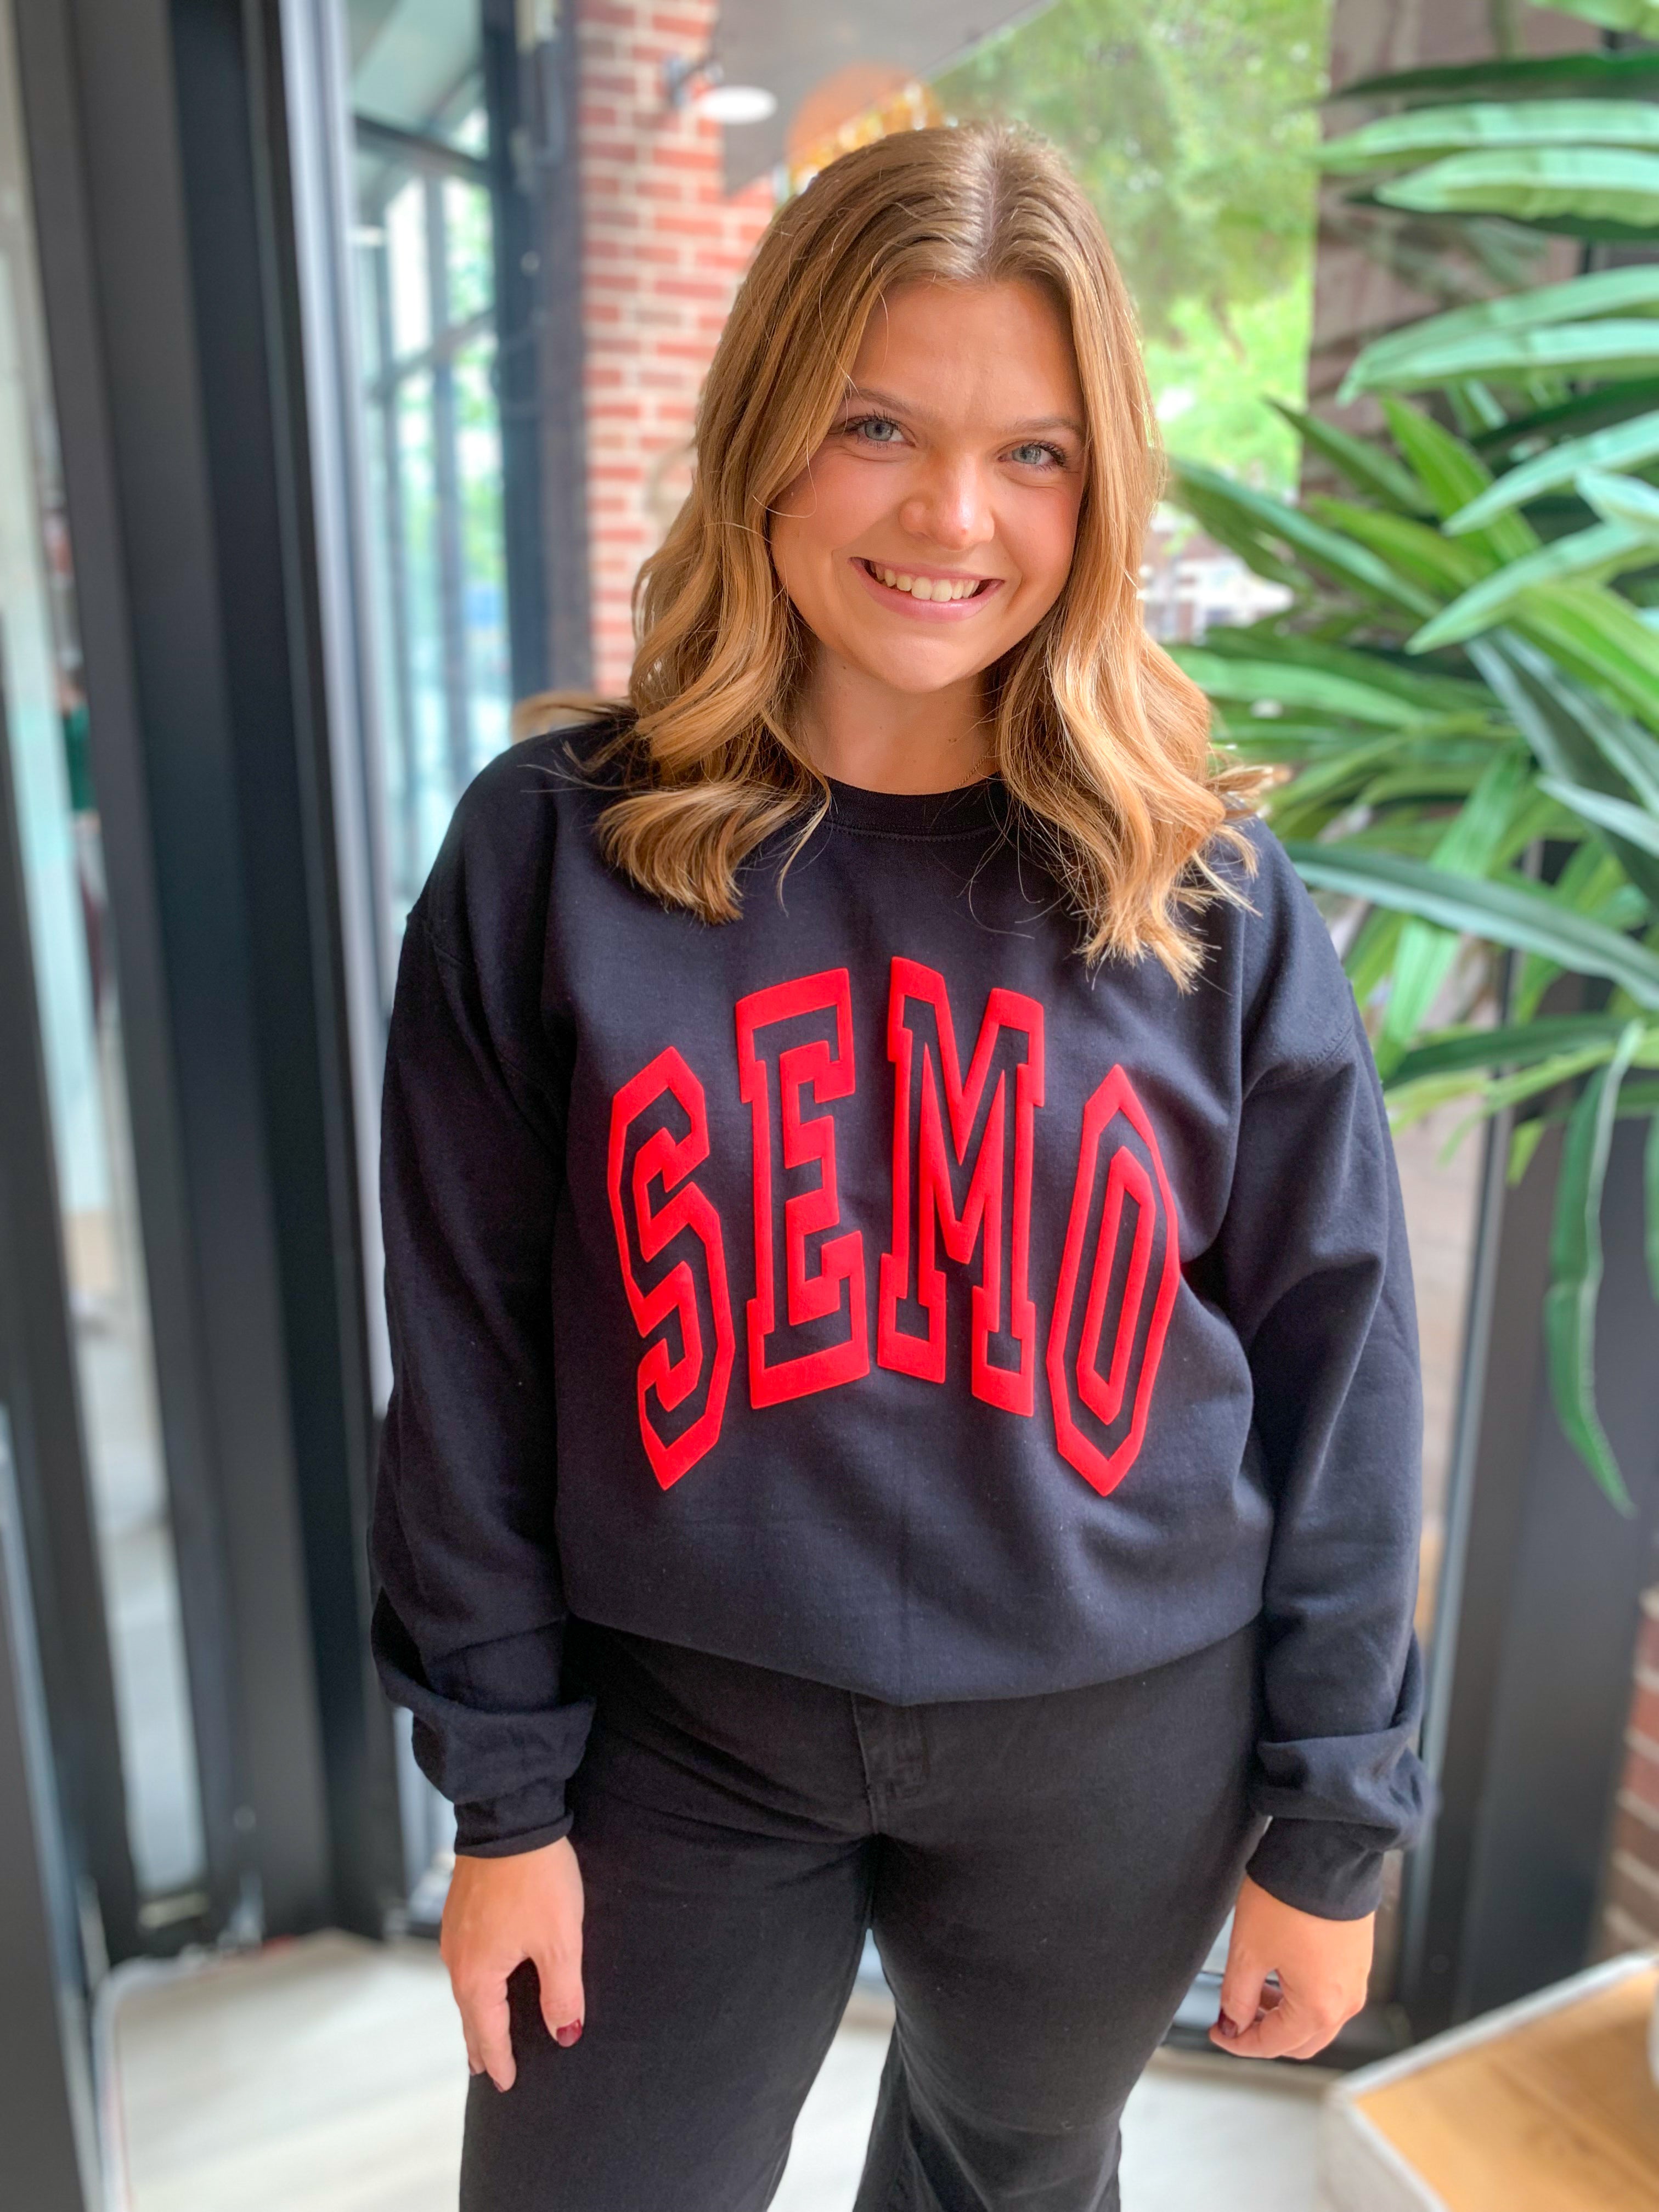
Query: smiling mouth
x=935, y=588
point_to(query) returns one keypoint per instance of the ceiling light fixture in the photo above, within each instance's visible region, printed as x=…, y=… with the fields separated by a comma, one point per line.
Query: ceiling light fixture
x=701, y=85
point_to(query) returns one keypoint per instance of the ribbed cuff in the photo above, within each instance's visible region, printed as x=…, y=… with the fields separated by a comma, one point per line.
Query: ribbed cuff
x=1327, y=1868
x=502, y=1828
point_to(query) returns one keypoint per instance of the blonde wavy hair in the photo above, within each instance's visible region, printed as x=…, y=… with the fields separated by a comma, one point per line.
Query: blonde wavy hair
x=1101, y=741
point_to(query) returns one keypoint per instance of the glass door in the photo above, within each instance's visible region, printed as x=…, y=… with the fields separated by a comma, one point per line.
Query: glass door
x=75, y=977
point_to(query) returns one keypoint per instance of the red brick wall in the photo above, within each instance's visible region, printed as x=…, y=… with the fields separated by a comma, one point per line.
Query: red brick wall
x=1629, y=1901
x=663, y=250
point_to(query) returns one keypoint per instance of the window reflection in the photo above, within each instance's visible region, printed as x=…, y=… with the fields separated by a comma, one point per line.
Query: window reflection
x=425, y=299
x=77, y=989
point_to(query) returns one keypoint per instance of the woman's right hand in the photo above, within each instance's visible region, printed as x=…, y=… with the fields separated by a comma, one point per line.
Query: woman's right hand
x=498, y=1913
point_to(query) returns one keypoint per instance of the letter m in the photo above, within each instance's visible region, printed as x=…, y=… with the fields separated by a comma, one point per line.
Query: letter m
x=961, y=1186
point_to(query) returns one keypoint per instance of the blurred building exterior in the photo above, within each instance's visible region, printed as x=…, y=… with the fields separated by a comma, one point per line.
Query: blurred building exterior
x=349, y=357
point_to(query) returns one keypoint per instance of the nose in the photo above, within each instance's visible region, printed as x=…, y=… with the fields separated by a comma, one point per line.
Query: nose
x=950, y=506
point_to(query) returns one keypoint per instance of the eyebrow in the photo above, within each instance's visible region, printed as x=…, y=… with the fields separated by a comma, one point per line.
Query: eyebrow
x=856, y=392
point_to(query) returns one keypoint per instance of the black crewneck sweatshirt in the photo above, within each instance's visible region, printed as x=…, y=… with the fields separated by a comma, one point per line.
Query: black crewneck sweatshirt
x=863, y=1289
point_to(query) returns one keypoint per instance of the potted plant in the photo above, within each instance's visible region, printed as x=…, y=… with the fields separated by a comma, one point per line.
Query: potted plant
x=1464, y=688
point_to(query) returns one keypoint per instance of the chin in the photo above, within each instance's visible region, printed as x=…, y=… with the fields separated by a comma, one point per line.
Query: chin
x=917, y=673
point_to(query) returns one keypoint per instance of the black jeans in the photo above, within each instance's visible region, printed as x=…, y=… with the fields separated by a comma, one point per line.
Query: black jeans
x=1044, y=1876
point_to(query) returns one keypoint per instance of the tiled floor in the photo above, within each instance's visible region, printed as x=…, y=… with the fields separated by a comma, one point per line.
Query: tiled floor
x=327, y=2075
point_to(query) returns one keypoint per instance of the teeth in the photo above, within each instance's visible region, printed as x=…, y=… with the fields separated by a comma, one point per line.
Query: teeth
x=925, y=587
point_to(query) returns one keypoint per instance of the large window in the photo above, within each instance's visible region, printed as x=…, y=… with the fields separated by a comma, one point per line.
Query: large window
x=423, y=246
x=77, y=986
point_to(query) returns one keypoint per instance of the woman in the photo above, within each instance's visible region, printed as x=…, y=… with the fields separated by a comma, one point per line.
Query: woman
x=907, y=1407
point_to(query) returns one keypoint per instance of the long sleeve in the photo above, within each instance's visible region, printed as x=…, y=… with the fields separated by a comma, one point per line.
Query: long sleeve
x=468, y=1612
x=1316, y=1278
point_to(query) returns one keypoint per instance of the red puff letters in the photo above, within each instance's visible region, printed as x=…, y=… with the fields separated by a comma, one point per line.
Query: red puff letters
x=809, y=1071
x=982, y=1123
x=1150, y=1282
x=964, y=1148
x=646, y=1157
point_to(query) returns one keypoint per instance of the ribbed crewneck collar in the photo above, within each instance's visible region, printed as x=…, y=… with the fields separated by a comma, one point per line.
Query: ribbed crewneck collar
x=962, y=812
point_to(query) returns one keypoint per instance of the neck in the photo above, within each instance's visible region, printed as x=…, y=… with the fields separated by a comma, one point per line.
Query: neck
x=862, y=731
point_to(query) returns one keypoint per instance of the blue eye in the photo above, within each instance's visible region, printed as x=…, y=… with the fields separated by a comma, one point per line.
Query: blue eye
x=1036, y=454
x=869, y=428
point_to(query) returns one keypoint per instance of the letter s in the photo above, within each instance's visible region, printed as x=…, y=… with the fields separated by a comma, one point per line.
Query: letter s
x=640, y=1161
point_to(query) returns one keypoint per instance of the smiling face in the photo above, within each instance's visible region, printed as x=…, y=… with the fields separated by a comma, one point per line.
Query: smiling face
x=934, y=526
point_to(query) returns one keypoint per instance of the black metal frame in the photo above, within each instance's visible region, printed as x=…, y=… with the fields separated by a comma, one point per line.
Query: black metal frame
x=39, y=1383
x=158, y=148
x=46, y=2108
x=63, y=1823
x=531, y=96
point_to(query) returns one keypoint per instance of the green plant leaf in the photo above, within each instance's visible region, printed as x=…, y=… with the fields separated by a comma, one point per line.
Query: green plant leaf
x=1600, y=551
x=1618, y=348
x=1417, y=782
x=1572, y=730
x=1329, y=786
x=1509, y=913
x=1600, y=71
x=1369, y=959
x=1576, y=1269
x=1591, y=883
x=1419, y=559
x=1578, y=740
x=1517, y=1044
x=1425, y=691
x=1469, y=846
x=1524, y=1143
x=1640, y=16
x=1420, y=134
x=1601, y=408
x=1540, y=185
x=1625, y=446
x=1530, y=1083
x=1409, y=1102
x=1620, y=499
x=1475, y=407
x=1598, y=638
x=1238, y=534
x=1451, y=473
x=1367, y=466
x=1224, y=677
x=1327, y=549
x=1626, y=822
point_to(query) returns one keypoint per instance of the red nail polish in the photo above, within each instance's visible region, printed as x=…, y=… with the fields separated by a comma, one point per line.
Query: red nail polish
x=568, y=2035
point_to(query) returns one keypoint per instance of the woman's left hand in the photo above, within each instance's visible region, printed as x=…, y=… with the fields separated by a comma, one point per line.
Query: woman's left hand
x=1322, y=1966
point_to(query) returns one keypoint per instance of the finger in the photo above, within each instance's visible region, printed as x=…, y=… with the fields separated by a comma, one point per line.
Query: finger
x=1277, y=2033
x=492, y=2033
x=562, y=2003
x=1242, y=1987
x=474, y=2064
